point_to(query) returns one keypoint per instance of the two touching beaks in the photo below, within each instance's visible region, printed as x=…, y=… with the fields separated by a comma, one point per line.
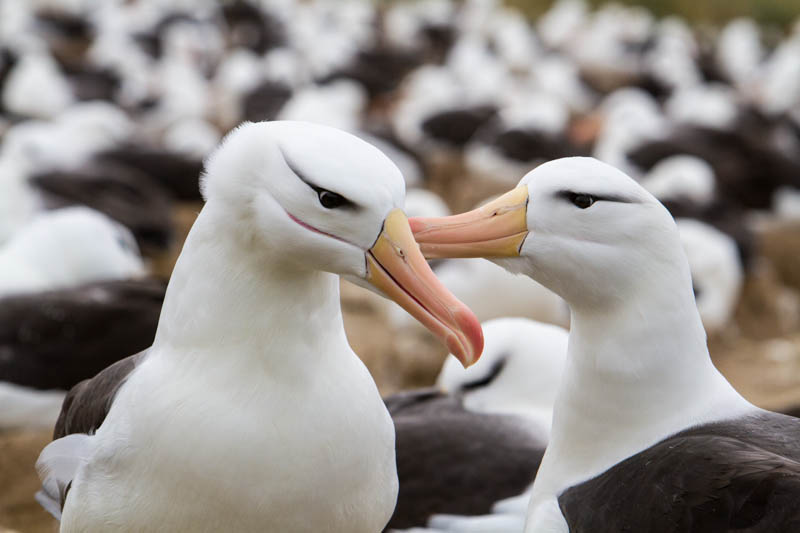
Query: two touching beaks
x=496, y=229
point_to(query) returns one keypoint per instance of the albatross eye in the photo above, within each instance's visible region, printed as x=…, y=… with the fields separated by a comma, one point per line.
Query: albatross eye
x=582, y=200
x=331, y=200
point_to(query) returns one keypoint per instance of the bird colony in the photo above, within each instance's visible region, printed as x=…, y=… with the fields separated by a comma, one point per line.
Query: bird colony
x=424, y=266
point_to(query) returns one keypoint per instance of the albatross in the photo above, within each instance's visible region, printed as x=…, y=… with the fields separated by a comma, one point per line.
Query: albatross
x=647, y=434
x=250, y=411
x=468, y=451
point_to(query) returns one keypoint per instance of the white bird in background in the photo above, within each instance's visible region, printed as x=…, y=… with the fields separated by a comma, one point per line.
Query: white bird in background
x=529, y=112
x=717, y=272
x=502, y=404
x=477, y=283
x=629, y=117
x=182, y=88
x=338, y=104
x=711, y=106
x=24, y=407
x=776, y=88
x=518, y=373
x=36, y=88
x=18, y=201
x=67, y=247
x=193, y=137
x=422, y=202
x=562, y=22
x=68, y=140
x=739, y=50
x=244, y=410
x=672, y=57
x=786, y=201
x=681, y=177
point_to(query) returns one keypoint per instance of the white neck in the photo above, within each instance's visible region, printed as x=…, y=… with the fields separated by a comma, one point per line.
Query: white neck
x=634, y=375
x=244, y=299
x=251, y=365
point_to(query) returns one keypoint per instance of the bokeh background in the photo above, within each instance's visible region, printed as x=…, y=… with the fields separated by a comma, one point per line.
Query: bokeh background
x=107, y=109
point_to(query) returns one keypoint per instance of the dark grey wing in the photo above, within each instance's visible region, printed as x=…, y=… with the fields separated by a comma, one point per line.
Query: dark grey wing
x=454, y=461
x=710, y=479
x=747, y=165
x=87, y=404
x=55, y=339
x=125, y=194
x=84, y=410
x=457, y=126
x=264, y=100
x=176, y=172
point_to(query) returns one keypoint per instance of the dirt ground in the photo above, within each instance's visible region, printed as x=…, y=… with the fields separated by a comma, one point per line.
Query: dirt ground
x=759, y=353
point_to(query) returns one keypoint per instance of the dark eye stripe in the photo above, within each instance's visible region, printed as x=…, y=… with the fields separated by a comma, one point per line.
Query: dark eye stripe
x=328, y=199
x=494, y=371
x=572, y=196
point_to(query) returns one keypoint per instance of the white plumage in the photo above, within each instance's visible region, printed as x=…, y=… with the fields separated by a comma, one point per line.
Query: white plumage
x=532, y=356
x=68, y=247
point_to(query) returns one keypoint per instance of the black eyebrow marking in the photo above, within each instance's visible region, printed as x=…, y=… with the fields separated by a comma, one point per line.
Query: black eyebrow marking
x=568, y=194
x=494, y=371
x=316, y=188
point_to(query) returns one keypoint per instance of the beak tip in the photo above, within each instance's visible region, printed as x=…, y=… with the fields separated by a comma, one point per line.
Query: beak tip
x=417, y=224
x=466, y=363
x=469, y=350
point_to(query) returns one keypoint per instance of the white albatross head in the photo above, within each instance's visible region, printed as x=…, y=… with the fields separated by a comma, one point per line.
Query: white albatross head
x=638, y=368
x=576, y=225
x=717, y=271
x=518, y=373
x=67, y=247
x=318, y=198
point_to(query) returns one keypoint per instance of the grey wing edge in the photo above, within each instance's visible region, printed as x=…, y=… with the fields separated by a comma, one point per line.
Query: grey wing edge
x=83, y=411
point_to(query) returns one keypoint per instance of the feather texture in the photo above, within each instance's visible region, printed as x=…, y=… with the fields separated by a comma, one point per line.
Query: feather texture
x=57, y=465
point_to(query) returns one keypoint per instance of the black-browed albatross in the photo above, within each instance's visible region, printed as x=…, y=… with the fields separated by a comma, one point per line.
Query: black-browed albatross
x=468, y=452
x=250, y=411
x=647, y=434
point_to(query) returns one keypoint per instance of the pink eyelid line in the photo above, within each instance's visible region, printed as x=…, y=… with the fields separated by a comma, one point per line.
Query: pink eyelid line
x=312, y=228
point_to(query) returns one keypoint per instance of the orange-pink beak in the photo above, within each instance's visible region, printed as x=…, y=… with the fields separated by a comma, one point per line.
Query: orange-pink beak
x=496, y=229
x=395, y=265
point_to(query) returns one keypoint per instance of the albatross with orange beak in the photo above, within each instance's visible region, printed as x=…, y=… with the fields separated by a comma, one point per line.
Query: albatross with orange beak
x=250, y=411
x=647, y=435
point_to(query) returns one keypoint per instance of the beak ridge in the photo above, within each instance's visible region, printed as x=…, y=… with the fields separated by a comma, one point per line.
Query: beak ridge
x=396, y=266
x=497, y=229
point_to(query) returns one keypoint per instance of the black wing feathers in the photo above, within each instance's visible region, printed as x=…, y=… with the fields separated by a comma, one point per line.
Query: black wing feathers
x=454, y=461
x=741, y=476
x=88, y=403
x=55, y=339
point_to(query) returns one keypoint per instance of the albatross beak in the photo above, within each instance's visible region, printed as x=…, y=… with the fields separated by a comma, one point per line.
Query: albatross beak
x=396, y=266
x=496, y=229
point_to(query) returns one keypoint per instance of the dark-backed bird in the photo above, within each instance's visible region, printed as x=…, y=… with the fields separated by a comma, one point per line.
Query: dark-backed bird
x=647, y=434
x=468, y=451
x=52, y=340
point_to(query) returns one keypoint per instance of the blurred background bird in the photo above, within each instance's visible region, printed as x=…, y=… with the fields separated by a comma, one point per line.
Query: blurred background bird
x=108, y=110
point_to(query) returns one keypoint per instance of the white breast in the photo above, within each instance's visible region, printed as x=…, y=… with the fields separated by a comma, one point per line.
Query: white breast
x=307, y=452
